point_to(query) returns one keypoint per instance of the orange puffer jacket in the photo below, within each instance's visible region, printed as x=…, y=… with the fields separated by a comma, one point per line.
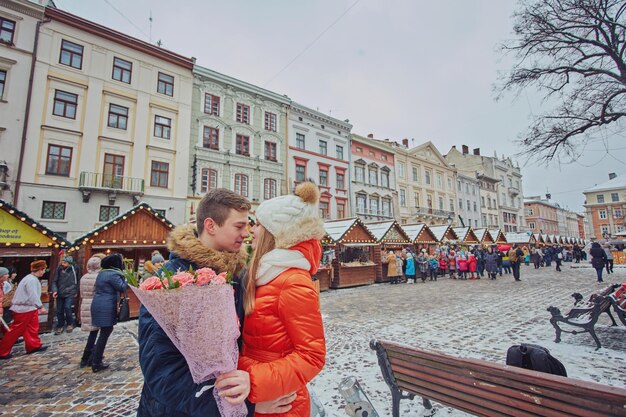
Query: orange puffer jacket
x=283, y=337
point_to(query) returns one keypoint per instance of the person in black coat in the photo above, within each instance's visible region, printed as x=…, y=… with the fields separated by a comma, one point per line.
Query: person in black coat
x=109, y=284
x=598, y=260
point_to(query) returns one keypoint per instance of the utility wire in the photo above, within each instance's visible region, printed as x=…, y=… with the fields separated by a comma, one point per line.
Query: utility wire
x=312, y=43
x=127, y=19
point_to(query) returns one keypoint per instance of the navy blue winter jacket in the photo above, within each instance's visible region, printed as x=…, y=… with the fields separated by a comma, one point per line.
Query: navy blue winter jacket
x=109, y=284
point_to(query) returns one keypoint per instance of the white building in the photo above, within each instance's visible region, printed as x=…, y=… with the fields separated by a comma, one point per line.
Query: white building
x=469, y=200
x=109, y=126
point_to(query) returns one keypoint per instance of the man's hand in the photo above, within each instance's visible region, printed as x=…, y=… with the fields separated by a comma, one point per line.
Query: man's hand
x=42, y=310
x=277, y=406
x=233, y=386
x=54, y=295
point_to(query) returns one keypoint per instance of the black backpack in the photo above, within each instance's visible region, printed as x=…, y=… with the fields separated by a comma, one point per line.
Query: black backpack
x=534, y=357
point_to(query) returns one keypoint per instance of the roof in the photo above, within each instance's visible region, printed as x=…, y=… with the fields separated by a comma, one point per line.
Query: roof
x=337, y=229
x=19, y=214
x=497, y=235
x=415, y=230
x=463, y=233
x=440, y=231
x=616, y=183
x=384, y=231
x=538, y=237
x=482, y=233
x=520, y=238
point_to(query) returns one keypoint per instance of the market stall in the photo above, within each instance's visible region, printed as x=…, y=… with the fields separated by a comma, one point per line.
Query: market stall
x=484, y=237
x=24, y=240
x=466, y=235
x=445, y=234
x=421, y=236
x=497, y=235
x=522, y=239
x=390, y=236
x=134, y=234
x=539, y=242
x=322, y=278
x=355, y=250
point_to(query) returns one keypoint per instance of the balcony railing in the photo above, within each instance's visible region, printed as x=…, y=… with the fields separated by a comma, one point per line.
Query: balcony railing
x=372, y=213
x=513, y=191
x=427, y=211
x=111, y=184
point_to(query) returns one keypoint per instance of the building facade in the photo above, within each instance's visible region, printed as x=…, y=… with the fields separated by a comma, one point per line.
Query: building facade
x=605, y=205
x=373, y=193
x=108, y=127
x=319, y=149
x=19, y=25
x=469, y=200
x=238, y=138
x=489, y=201
x=542, y=217
x=426, y=185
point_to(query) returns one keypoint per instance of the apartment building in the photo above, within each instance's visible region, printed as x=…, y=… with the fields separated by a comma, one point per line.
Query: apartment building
x=605, y=205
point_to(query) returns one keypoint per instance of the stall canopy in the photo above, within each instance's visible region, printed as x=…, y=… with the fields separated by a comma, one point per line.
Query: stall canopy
x=520, y=238
x=444, y=233
x=539, y=238
x=20, y=235
x=389, y=233
x=466, y=235
x=551, y=239
x=483, y=235
x=497, y=235
x=349, y=232
x=420, y=233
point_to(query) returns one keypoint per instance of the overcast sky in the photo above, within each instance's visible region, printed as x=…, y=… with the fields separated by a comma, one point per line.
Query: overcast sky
x=416, y=69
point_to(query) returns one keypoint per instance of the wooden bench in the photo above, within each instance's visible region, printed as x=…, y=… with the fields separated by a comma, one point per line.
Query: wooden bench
x=487, y=389
x=584, y=315
x=618, y=300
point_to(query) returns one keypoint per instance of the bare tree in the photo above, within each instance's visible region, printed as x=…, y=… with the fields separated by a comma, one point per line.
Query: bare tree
x=572, y=51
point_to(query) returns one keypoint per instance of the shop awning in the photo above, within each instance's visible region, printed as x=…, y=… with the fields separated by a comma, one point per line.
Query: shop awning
x=354, y=245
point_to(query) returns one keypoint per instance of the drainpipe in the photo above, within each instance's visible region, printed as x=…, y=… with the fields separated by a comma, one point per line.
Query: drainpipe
x=27, y=113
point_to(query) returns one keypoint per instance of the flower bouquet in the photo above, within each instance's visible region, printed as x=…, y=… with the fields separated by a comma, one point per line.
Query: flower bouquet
x=196, y=309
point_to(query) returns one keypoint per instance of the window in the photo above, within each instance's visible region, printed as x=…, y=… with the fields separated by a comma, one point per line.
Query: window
x=602, y=214
x=617, y=213
x=619, y=228
x=484, y=220
x=614, y=196
x=241, y=184
x=243, y=113
x=324, y=178
x=165, y=84
x=482, y=201
x=324, y=209
x=159, y=174
x=65, y=104
x=416, y=198
x=242, y=147
x=439, y=181
x=359, y=149
x=300, y=173
x=401, y=170
x=360, y=203
x=415, y=175
x=341, y=210
x=473, y=190
x=3, y=79
x=449, y=184
x=451, y=205
x=600, y=198
x=458, y=185
x=468, y=205
x=373, y=176
x=270, y=121
x=122, y=70
x=162, y=127
x=427, y=177
x=269, y=188
x=53, y=210
x=59, y=160
x=359, y=173
x=113, y=172
x=440, y=203
x=530, y=212
x=71, y=54
x=402, y=197
x=323, y=147
x=299, y=141
x=208, y=180
x=531, y=226
x=211, y=104
x=386, y=207
x=339, y=151
x=270, y=151
x=118, y=116
x=475, y=208
x=108, y=213
x=211, y=138
x=341, y=182
x=467, y=188
x=7, y=30
x=374, y=206
x=605, y=229
x=489, y=203
x=384, y=178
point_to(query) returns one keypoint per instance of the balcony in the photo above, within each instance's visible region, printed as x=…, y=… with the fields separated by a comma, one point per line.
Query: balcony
x=427, y=211
x=513, y=191
x=378, y=214
x=110, y=184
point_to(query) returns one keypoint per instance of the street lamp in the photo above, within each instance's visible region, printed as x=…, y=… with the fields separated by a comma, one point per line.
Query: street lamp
x=449, y=219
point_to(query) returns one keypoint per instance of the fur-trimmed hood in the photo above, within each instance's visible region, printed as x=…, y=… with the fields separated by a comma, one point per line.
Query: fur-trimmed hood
x=184, y=242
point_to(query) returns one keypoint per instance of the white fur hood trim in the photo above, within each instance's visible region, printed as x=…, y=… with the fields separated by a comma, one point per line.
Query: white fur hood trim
x=277, y=261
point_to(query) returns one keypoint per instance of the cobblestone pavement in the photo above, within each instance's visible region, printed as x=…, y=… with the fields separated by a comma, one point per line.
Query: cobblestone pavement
x=465, y=318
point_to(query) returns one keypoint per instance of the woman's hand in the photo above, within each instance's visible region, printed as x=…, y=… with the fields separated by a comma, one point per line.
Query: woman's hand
x=233, y=386
x=277, y=406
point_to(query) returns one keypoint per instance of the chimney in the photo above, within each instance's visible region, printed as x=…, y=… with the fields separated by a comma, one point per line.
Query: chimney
x=405, y=142
x=465, y=150
x=477, y=151
x=370, y=135
x=453, y=146
x=612, y=175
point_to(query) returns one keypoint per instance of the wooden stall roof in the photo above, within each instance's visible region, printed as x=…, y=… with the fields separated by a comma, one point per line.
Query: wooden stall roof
x=19, y=230
x=444, y=233
x=525, y=238
x=419, y=233
x=466, y=234
x=483, y=235
x=538, y=238
x=551, y=239
x=349, y=231
x=497, y=235
x=138, y=227
x=388, y=232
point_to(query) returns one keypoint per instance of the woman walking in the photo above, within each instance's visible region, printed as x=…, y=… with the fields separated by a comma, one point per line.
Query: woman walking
x=410, y=267
x=491, y=262
x=392, y=271
x=598, y=259
x=87, y=289
x=109, y=284
x=422, y=265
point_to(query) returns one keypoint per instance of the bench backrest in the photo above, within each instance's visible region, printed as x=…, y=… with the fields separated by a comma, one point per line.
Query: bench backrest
x=488, y=389
x=620, y=297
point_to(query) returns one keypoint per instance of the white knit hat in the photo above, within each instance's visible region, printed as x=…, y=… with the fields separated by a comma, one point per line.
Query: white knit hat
x=292, y=219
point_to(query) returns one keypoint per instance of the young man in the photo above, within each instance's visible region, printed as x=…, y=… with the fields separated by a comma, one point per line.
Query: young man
x=215, y=242
x=515, y=257
x=26, y=309
x=64, y=291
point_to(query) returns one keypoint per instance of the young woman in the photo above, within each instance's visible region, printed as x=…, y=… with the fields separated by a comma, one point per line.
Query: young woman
x=283, y=337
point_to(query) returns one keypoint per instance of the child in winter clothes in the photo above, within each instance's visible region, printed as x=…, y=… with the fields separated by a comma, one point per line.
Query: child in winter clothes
x=433, y=267
x=443, y=264
x=410, y=267
x=471, y=264
x=463, y=266
x=452, y=264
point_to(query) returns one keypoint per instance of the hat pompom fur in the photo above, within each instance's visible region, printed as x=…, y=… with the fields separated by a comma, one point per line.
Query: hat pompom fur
x=308, y=192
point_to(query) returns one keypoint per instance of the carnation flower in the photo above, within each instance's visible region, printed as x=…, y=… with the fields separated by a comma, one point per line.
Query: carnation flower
x=220, y=279
x=152, y=283
x=204, y=276
x=183, y=278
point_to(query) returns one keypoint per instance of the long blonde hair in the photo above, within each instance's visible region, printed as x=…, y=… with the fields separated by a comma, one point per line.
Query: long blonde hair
x=265, y=243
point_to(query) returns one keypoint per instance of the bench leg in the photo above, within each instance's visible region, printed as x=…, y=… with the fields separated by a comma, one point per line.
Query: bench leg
x=611, y=316
x=396, y=396
x=592, y=332
x=557, y=329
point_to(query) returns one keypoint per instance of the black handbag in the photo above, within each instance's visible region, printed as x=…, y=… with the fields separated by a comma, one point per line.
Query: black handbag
x=123, y=312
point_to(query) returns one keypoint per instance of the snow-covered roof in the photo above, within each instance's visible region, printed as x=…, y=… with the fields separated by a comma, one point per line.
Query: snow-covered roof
x=616, y=183
x=519, y=238
x=482, y=234
x=337, y=229
x=497, y=234
x=383, y=230
x=440, y=231
x=414, y=231
x=538, y=237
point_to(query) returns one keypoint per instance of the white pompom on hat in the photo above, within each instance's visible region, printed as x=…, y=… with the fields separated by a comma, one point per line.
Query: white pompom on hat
x=292, y=219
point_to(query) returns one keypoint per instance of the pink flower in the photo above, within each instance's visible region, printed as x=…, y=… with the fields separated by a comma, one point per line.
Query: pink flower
x=184, y=278
x=204, y=276
x=152, y=283
x=220, y=279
